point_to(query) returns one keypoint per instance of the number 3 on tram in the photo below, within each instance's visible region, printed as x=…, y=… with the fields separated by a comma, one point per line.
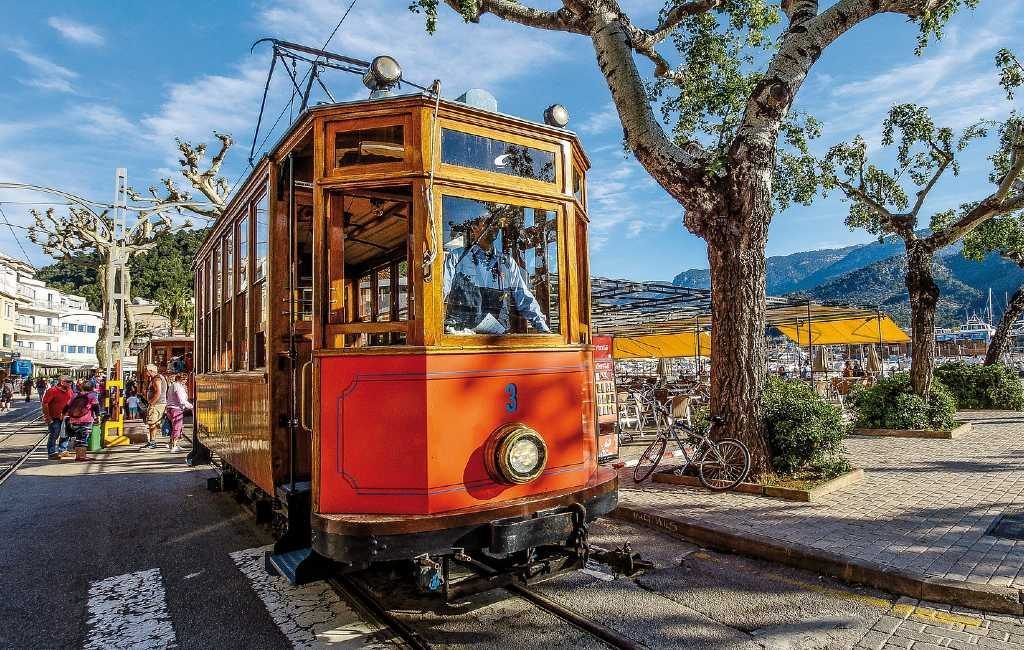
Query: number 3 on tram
x=393, y=341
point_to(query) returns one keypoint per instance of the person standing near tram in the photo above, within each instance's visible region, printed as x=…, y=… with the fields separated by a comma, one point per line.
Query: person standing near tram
x=482, y=285
x=156, y=400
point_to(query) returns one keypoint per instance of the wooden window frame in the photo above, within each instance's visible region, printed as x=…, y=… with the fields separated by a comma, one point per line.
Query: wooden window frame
x=494, y=179
x=436, y=288
x=335, y=327
x=409, y=133
x=259, y=284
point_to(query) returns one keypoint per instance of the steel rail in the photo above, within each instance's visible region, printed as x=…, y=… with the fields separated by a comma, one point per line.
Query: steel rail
x=368, y=605
x=7, y=473
x=606, y=634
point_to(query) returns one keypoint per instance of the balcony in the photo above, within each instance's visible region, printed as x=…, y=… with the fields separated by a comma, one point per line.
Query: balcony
x=25, y=327
x=40, y=355
x=40, y=305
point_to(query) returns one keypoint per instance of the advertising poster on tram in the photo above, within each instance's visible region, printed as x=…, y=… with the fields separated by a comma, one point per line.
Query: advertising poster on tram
x=607, y=412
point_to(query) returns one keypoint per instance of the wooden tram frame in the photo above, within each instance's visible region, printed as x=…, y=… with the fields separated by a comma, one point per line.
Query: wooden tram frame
x=248, y=350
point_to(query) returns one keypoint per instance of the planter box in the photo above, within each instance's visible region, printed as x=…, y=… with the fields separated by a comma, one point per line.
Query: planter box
x=940, y=434
x=789, y=494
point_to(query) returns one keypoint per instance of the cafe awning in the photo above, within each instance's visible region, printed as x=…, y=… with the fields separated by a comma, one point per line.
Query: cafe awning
x=846, y=331
x=662, y=346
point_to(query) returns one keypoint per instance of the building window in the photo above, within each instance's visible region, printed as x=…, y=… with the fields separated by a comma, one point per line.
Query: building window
x=10, y=310
x=91, y=349
x=81, y=328
x=7, y=340
x=91, y=329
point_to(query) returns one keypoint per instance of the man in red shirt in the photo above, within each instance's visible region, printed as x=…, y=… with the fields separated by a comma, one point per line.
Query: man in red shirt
x=55, y=400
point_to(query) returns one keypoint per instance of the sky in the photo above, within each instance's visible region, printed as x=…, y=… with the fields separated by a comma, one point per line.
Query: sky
x=89, y=86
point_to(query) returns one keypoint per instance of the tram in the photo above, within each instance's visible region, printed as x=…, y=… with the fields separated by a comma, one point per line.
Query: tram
x=393, y=345
x=172, y=355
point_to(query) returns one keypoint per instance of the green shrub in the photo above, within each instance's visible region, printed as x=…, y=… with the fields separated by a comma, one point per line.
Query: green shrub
x=891, y=404
x=982, y=387
x=803, y=430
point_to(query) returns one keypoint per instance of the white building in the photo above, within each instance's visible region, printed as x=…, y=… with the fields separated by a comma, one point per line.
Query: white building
x=37, y=326
x=79, y=331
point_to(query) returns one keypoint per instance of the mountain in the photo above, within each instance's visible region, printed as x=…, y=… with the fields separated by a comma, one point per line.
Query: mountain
x=798, y=271
x=872, y=274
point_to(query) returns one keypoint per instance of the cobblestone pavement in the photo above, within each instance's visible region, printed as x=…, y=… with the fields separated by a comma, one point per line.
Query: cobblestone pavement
x=924, y=506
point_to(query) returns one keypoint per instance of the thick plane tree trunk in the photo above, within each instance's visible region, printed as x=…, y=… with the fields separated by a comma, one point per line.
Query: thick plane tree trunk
x=1002, y=335
x=738, y=349
x=924, y=298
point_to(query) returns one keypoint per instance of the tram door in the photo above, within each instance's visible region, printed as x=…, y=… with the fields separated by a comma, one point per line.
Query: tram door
x=295, y=354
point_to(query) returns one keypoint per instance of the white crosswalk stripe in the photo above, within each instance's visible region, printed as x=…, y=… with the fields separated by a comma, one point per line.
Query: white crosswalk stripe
x=129, y=611
x=310, y=616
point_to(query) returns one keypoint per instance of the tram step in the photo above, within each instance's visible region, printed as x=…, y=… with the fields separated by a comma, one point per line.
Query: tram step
x=299, y=567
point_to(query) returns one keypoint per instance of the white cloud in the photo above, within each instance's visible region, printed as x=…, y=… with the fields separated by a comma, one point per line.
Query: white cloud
x=462, y=56
x=49, y=75
x=601, y=121
x=76, y=31
x=102, y=121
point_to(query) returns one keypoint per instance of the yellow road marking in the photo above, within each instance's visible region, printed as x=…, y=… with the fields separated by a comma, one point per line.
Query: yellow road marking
x=899, y=609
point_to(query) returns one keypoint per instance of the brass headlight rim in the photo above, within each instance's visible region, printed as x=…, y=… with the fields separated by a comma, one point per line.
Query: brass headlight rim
x=498, y=460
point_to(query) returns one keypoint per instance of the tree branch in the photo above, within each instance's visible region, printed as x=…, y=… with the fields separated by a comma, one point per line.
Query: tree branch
x=562, y=20
x=922, y=194
x=1014, y=174
x=898, y=223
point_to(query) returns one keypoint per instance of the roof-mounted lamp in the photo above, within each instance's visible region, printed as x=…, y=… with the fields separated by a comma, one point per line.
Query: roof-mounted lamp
x=382, y=76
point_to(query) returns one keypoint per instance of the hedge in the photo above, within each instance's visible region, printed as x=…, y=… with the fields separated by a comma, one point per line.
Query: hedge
x=892, y=404
x=982, y=387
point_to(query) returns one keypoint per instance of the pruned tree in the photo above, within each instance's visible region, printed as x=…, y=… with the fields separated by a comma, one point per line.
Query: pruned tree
x=90, y=226
x=734, y=150
x=882, y=203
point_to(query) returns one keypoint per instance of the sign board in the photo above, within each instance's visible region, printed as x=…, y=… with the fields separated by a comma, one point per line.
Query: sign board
x=607, y=410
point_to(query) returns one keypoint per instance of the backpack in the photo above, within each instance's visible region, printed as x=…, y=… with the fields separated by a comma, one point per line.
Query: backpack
x=78, y=406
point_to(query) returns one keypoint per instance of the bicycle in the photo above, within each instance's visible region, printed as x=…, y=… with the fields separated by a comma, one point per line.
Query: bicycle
x=721, y=465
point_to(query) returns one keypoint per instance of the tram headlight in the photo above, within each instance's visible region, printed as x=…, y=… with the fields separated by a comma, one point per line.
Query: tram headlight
x=383, y=74
x=515, y=454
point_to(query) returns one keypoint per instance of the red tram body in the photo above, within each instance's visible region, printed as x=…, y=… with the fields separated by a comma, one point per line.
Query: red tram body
x=393, y=339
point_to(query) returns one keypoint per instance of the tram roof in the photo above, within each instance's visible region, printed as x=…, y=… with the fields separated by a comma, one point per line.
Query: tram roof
x=302, y=120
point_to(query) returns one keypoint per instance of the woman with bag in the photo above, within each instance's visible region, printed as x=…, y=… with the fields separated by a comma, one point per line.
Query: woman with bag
x=177, y=404
x=81, y=413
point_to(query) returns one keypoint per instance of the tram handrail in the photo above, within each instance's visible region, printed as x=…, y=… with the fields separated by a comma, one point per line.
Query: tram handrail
x=303, y=386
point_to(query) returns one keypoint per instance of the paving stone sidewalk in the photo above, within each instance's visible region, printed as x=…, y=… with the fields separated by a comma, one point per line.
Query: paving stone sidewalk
x=923, y=508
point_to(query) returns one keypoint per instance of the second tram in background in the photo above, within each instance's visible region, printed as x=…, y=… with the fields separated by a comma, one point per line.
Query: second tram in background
x=393, y=343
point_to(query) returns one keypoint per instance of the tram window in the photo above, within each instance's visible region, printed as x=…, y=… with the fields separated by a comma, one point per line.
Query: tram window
x=227, y=319
x=583, y=272
x=304, y=255
x=577, y=184
x=489, y=154
x=382, y=144
x=243, y=254
x=259, y=287
x=500, y=268
x=369, y=235
x=241, y=332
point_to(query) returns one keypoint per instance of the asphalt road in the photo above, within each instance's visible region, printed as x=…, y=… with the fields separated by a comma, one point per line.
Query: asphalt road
x=131, y=550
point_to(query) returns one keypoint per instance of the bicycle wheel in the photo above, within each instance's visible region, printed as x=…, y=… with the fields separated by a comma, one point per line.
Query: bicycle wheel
x=649, y=459
x=724, y=465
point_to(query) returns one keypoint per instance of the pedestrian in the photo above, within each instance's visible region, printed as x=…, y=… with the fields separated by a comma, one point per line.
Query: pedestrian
x=82, y=412
x=133, y=407
x=6, y=395
x=156, y=399
x=26, y=389
x=41, y=387
x=177, y=404
x=55, y=400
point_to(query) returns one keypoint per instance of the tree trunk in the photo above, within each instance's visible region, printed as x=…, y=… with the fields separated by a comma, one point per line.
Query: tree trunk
x=924, y=297
x=1002, y=335
x=738, y=347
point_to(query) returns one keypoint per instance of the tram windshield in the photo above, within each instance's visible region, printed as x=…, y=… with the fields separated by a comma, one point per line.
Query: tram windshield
x=500, y=268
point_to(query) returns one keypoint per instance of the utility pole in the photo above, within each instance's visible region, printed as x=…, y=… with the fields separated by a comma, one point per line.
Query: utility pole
x=114, y=309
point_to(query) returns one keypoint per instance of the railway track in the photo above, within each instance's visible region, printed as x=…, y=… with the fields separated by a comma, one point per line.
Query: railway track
x=364, y=599
x=14, y=452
